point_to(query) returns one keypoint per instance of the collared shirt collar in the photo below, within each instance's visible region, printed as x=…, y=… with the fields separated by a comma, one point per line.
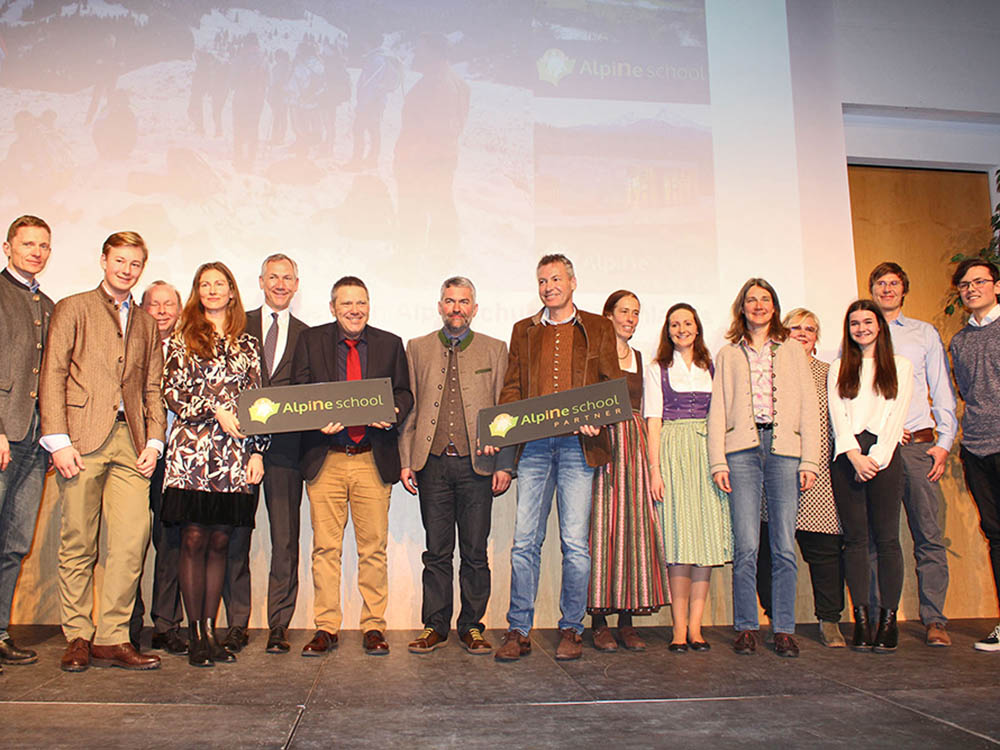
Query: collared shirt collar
x=463, y=341
x=900, y=320
x=267, y=311
x=341, y=336
x=547, y=319
x=32, y=284
x=123, y=305
x=992, y=315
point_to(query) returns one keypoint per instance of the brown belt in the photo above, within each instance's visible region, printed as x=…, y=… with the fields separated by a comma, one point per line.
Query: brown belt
x=351, y=450
x=925, y=435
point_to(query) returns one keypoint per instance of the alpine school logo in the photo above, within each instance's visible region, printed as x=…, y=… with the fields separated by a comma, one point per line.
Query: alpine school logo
x=502, y=424
x=263, y=409
x=554, y=65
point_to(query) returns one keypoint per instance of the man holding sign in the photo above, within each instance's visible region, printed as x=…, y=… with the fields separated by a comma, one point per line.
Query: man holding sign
x=351, y=467
x=555, y=350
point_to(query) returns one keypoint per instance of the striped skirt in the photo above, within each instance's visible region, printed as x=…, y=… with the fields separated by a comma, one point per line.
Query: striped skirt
x=694, y=514
x=626, y=574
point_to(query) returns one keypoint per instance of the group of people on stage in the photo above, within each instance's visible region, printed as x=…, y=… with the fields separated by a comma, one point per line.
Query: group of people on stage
x=725, y=459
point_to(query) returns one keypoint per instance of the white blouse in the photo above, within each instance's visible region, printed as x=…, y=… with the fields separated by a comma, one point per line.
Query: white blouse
x=870, y=411
x=683, y=379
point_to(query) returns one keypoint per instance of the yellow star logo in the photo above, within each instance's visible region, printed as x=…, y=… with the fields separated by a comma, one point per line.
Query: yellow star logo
x=263, y=409
x=554, y=65
x=502, y=424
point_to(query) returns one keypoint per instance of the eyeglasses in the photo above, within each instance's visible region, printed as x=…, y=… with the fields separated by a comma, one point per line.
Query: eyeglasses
x=895, y=283
x=807, y=329
x=964, y=286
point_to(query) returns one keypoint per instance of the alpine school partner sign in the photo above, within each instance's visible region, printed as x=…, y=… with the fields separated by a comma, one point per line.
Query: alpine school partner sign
x=557, y=414
x=293, y=408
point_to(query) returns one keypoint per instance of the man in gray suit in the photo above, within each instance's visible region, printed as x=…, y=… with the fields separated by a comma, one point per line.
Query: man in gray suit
x=24, y=321
x=278, y=332
x=454, y=373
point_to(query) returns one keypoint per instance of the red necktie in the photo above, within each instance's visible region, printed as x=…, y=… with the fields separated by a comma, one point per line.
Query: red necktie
x=356, y=433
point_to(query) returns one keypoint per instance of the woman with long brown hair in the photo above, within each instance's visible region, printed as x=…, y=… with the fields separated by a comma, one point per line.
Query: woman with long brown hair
x=694, y=514
x=211, y=464
x=626, y=577
x=869, y=390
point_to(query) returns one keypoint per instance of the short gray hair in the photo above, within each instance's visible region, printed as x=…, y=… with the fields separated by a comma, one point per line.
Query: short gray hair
x=557, y=258
x=276, y=257
x=160, y=282
x=458, y=281
x=797, y=314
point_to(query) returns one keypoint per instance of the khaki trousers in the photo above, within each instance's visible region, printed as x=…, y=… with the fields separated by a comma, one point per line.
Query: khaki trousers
x=109, y=485
x=349, y=483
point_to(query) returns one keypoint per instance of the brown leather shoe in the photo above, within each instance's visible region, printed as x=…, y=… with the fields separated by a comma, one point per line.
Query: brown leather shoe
x=77, y=656
x=322, y=642
x=937, y=635
x=122, y=655
x=604, y=640
x=475, y=643
x=746, y=642
x=570, y=645
x=785, y=645
x=374, y=643
x=630, y=637
x=428, y=640
x=513, y=646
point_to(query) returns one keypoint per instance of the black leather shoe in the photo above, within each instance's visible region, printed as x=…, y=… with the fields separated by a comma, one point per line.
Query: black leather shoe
x=887, y=636
x=677, y=648
x=199, y=654
x=11, y=654
x=862, y=640
x=219, y=651
x=277, y=641
x=236, y=639
x=171, y=642
x=699, y=645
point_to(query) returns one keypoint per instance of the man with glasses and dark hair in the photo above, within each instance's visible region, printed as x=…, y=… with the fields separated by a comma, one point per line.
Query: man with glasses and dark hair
x=975, y=354
x=923, y=454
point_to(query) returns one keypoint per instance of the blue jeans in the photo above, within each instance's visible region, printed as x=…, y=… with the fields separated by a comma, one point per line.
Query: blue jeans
x=750, y=471
x=547, y=466
x=20, y=497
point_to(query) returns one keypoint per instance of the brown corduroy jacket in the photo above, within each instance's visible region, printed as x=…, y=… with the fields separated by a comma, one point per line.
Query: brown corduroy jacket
x=90, y=367
x=596, y=361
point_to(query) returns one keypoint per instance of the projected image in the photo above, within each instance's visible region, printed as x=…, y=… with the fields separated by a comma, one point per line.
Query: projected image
x=412, y=138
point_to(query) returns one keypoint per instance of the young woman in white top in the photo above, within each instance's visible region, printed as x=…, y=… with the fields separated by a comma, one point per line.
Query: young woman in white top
x=869, y=391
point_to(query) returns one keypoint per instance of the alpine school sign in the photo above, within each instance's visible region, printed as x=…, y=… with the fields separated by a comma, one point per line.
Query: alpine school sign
x=558, y=414
x=293, y=408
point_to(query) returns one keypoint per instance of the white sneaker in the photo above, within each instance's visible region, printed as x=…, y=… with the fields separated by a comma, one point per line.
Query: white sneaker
x=990, y=642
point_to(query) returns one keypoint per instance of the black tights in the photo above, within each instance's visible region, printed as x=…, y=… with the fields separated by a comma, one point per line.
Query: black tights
x=600, y=621
x=202, y=568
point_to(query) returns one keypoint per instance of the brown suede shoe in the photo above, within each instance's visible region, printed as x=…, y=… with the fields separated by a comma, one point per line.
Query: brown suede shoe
x=77, y=656
x=428, y=640
x=631, y=639
x=746, y=642
x=122, y=655
x=570, y=645
x=475, y=643
x=513, y=646
x=604, y=640
x=322, y=642
x=785, y=645
x=937, y=635
x=374, y=643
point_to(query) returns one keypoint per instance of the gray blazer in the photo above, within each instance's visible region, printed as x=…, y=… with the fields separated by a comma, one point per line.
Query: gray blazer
x=24, y=321
x=481, y=368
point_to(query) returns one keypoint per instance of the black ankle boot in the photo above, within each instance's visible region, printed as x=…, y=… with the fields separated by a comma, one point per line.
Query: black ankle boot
x=862, y=630
x=887, y=637
x=218, y=651
x=198, y=651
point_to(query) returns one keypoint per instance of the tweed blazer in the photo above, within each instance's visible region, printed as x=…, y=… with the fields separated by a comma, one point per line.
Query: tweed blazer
x=315, y=361
x=731, y=424
x=596, y=361
x=481, y=369
x=284, y=449
x=90, y=367
x=24, y=320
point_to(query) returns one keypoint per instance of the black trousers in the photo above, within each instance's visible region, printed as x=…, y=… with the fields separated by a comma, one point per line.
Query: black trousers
x=166, y=610
x=453, y=494
x=982, y=476
x=870, y=507
x=824, y=555
x=283, y=498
